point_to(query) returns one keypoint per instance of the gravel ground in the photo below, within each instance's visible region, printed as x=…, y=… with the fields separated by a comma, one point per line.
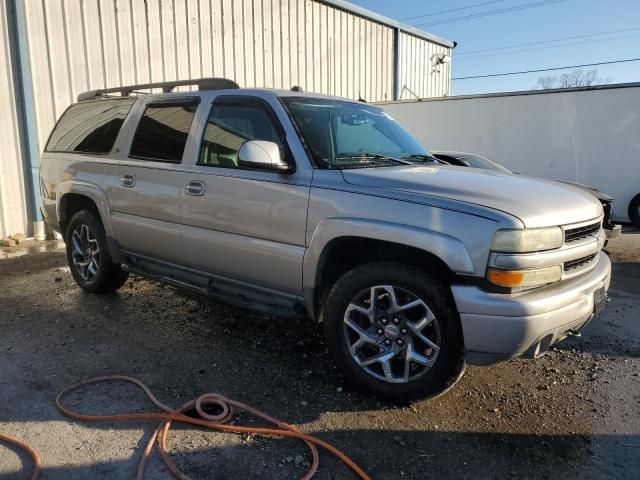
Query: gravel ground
x=573, y=413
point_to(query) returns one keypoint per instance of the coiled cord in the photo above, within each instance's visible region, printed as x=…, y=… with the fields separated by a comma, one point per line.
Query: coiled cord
x=219, y=422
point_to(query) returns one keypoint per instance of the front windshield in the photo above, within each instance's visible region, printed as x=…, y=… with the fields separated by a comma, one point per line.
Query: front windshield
x=343, y=134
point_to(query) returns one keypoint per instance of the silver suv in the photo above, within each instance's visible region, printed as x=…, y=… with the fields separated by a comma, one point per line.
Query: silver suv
x=289, y=202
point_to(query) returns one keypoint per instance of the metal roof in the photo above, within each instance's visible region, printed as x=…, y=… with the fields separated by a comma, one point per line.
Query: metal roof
x=364, y=12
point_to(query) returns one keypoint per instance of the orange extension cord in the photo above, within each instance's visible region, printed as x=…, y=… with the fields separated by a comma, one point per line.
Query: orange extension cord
x=219, y=422
x=30, y=451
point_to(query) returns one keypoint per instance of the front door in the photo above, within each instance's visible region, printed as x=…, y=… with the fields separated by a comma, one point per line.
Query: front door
x=145, y=206
x=245, y=225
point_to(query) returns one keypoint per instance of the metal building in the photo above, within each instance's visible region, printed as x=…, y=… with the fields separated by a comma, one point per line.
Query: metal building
x=52, y=50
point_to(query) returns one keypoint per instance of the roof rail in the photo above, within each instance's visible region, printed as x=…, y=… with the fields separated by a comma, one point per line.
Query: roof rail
x=167, y=87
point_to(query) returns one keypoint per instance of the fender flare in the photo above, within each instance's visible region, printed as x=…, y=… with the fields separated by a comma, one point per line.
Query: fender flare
x=449, y=249
x=99, y=198
x=91, y=191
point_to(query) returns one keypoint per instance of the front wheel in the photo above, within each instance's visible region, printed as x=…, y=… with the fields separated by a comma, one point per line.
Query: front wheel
x=393, y=331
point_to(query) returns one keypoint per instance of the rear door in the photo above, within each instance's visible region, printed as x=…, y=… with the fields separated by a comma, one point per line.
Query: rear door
x=148, y=191
x=246, y=225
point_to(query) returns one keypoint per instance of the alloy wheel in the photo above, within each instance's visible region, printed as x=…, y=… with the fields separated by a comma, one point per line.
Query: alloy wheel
x=85, y=252
x=391, y=333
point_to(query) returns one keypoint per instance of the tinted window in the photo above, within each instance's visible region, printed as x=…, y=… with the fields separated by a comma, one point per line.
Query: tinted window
x=163, y=131
x=89, y=127
x=230, y=124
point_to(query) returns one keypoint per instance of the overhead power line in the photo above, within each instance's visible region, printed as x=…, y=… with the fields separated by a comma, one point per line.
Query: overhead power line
x=627, y=60
x=475, y=5
x=490, y=12
x=559, y=45
x=541, y=42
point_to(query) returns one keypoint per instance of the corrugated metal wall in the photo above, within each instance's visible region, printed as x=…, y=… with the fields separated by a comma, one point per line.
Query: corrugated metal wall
x=80, y=45
x=418, y=75
x=13, y=196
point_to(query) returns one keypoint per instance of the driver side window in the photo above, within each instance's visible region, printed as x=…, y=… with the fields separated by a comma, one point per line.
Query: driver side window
x=233, y=121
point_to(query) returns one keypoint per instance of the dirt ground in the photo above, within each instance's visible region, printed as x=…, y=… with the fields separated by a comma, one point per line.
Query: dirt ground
x=575, y=413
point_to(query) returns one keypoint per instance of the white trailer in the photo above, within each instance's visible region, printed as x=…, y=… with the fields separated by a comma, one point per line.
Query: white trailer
x=588, y=135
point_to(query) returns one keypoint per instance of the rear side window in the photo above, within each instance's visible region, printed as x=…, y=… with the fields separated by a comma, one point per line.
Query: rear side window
x=163, y=131
x=89, y=127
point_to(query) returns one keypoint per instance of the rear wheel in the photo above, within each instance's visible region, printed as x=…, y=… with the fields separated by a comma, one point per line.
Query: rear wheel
x=634, y=210
x=393, y=331
x=88, y=255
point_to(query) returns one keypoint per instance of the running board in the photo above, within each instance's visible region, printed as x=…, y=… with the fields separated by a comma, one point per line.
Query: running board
x=227, y=292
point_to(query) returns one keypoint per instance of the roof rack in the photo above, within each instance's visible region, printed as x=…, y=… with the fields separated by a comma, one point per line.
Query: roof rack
x=167, y=87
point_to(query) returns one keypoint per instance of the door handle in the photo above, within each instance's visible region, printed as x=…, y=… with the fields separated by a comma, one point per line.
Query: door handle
x=128, y=180
x=194, y=188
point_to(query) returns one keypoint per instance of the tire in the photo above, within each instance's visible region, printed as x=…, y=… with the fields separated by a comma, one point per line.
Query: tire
x=88, y=255
x=634, y=211
x=345, y=307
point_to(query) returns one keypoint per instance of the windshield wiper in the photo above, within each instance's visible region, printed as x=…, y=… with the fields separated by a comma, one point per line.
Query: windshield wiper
x=371, y=156
x=421, y=157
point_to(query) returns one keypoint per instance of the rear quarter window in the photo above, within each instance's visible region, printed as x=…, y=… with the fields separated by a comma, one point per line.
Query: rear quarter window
x=89, y=127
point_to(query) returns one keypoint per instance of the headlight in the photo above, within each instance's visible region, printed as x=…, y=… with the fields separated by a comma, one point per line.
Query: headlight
x=524, y=278
x=527, y=240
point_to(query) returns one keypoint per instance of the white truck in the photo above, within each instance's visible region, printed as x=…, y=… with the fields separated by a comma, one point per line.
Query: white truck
x=589, y=135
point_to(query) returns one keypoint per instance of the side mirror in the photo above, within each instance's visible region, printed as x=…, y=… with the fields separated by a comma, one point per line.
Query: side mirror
x=262, y=155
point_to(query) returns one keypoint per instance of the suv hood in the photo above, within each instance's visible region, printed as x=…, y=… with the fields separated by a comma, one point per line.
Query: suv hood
x=536, y=202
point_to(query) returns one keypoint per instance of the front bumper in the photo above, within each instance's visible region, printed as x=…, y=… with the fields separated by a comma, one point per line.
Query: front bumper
x=498, y=327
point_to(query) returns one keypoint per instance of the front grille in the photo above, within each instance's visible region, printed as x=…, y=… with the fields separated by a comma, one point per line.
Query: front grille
x=578, y=262
x=573, y=234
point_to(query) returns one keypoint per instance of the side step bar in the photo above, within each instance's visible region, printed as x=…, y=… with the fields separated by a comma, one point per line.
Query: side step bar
x=226, y=292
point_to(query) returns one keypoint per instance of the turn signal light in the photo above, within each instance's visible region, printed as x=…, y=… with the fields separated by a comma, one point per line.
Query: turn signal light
x=524, y=278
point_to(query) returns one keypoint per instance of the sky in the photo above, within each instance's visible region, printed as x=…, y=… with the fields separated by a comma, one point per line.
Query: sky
x=552, y=20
